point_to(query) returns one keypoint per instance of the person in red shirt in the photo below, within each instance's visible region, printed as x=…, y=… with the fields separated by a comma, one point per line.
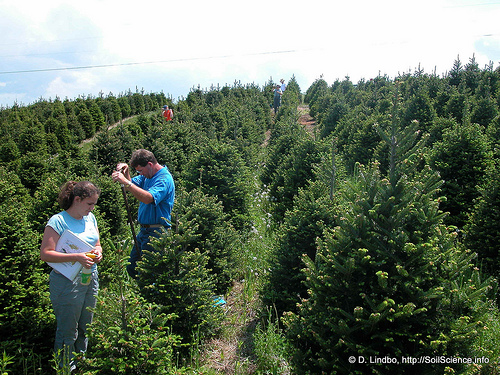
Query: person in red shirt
x=168, y=114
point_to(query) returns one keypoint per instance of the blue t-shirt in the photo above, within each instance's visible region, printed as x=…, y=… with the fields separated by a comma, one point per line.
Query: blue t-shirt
x=85, y=229
x=161, y=186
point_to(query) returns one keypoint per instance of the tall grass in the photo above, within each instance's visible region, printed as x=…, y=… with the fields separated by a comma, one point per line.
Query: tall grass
x=271, y=347
x=251, y=341
x=486, y=349
x=268, y=344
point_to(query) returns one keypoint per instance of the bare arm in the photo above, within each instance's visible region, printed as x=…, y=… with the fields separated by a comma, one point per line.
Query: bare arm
x=122, y=175
x=142, y=195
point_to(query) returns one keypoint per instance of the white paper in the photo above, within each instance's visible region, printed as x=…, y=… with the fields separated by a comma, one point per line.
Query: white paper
x=70, y=243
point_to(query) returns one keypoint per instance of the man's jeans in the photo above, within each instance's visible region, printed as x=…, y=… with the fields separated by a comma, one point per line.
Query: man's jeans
x=143, y=238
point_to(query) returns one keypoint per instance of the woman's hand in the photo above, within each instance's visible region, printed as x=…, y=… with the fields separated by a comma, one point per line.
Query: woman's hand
x=97, y=251
x=86, y=259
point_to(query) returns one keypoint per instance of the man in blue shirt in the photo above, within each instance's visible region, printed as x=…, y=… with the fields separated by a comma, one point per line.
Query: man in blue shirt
x=154, y=188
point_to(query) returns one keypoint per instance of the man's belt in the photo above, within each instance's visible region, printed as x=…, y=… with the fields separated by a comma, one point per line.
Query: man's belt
x=152, y=225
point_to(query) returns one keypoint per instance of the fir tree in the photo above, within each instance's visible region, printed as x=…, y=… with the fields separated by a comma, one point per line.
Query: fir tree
x=217, y=238
x=484, y=112
x=25, y=311
x=97, y=116
x=389, y=280
x=472, y=74
x=86, y=121
x=125, y=108
x=314, y=92
x=32, y=138
x=175, y=277
x=420, y=108
x=461, y=158
x=456, y=73
x=218, y=169
x=129, y=335
x=312, y=212
x=334, y=114
x=483, y=227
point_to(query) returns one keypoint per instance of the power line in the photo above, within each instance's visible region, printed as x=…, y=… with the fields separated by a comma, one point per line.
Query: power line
x=142, y=62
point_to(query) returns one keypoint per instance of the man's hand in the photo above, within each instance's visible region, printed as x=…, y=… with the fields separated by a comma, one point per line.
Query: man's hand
x=122, y=167
x=121, y=174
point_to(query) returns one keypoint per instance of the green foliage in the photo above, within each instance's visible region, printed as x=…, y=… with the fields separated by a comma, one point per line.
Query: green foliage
x=312, y=213
x=314, y=92
x=24, y=300
x=113, y=147
x=45, y=204
x=420, y=108
x=271, y=347
x=218, y=169
x=388, y=281
x=461, y=158
x=361, y=142
x=484, y=112
x=456, y=73
x=173, y=145
x=128, y=334
x=281, y=142
x=32, y=168
x=457, y=106
x=214, y=148
x=482, y=230
x=175, y=277
x=86, y=121
x=97, y=116
x=486, y=344
x=111, y=208
x=334, y=114
x=215, y=236
x=291, y=167
x=5, y=361
x=125, y=107
x=9, y=152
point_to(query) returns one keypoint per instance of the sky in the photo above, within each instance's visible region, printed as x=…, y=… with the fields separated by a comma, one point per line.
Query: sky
x=69, y=49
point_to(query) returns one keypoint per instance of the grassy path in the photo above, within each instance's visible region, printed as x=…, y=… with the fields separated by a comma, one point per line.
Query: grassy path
x=232, y=352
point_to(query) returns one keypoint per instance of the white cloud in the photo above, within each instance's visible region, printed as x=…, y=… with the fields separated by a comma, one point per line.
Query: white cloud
x=81, y=83
x=359, y=39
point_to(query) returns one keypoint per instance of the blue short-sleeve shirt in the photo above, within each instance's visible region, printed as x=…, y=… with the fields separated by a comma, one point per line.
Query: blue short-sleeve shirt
x=85, y=229
x=161, y=186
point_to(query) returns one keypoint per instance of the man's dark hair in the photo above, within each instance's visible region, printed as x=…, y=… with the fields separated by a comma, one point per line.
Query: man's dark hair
x=142, y=157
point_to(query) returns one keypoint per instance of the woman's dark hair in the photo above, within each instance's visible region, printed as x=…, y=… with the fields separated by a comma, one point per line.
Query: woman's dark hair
x=142, y=157
x=72, y=189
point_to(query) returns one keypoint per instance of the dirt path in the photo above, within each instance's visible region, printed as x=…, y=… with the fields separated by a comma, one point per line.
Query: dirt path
x=231, y=353
x=306, y=119
x=109, y=128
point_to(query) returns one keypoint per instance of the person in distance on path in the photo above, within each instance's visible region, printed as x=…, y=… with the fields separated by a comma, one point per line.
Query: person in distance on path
x=154, y=188
x=283, y=85
x=168, y=113
x=277, y=98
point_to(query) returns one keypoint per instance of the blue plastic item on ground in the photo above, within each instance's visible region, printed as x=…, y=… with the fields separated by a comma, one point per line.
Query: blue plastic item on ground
x=218, y=301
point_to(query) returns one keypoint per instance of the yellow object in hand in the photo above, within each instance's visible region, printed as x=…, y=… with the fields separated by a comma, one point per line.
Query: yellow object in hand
x=90, y=255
